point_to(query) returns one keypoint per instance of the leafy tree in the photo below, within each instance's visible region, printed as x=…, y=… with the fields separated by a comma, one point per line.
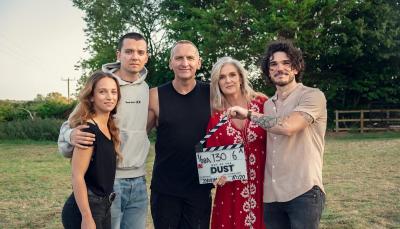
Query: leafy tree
x=107, y=20
x=6, y=108
x=351, y=47
x=358, y=61
x=53, y=105
x=220, y=28
x=14, y=110
x=53, y=97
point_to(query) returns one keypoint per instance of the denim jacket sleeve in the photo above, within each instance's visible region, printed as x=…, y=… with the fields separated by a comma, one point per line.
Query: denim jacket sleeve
x=64, y=142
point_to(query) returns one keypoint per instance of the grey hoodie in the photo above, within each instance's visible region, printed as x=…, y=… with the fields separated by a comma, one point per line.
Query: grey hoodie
x=131, y=119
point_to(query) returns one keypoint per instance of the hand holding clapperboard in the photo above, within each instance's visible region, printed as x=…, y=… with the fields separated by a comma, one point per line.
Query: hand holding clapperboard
x=214, y=162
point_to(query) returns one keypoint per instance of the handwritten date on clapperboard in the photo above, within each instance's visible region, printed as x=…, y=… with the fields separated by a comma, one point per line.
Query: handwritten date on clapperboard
x=226, y=162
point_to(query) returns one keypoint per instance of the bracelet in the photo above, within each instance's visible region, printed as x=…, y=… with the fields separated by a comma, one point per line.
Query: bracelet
x=249, y=114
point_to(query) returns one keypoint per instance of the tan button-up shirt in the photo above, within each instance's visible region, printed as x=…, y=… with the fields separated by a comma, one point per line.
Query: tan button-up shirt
x=294, y=163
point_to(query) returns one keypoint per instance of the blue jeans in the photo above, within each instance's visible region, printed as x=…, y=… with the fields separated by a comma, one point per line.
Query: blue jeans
x=303, y=212
x=129, y=209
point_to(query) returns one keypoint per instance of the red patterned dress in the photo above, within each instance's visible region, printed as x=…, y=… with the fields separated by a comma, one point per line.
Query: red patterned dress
x=239, y=204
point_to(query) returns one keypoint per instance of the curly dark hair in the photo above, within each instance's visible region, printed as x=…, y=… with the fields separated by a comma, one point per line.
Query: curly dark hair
x=295, y=56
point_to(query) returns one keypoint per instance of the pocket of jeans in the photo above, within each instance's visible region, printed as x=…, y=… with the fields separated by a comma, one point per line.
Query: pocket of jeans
x=99, y=210
x=317, y=190
x=141, y=193
x=95, y=199
x=312, y=194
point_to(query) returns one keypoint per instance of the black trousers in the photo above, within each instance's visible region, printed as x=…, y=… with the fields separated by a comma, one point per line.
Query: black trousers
x=171, y=212
x=99, y=206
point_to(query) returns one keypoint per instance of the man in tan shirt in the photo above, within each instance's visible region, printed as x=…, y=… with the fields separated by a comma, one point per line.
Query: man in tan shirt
x=295, y=120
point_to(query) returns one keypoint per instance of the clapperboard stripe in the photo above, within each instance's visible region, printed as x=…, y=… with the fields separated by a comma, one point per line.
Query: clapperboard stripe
x=212, y=131
x=234, y=146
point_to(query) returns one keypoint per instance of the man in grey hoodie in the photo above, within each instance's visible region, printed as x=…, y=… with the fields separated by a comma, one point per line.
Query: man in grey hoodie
x=129, y=209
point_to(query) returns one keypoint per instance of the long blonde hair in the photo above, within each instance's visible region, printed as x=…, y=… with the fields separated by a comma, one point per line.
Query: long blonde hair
x=218, y=100
x=84, y=110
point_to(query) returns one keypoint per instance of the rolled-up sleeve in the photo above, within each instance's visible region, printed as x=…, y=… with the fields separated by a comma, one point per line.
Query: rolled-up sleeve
x=313, y=102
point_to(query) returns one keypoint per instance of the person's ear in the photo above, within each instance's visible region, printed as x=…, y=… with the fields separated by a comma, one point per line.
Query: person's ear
x=199, y=65
x=118, y=54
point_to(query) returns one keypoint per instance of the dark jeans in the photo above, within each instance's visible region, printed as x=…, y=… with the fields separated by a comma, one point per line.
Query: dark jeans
x=99, y=206
x=303, y=212
x=171, y=212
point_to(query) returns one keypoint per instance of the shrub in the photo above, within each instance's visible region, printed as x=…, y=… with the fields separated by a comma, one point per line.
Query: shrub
x=38, y=129
x=53, y=109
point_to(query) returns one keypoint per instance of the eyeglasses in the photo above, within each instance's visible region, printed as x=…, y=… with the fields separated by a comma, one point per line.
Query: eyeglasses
x=274, y=65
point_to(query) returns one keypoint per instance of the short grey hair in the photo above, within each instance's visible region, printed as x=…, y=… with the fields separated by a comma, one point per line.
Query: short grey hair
x=182, y=42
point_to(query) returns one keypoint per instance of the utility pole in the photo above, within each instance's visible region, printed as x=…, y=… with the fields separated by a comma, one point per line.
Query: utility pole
x=68, y=80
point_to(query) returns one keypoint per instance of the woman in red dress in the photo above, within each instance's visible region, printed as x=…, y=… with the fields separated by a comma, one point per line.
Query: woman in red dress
x=237, y=204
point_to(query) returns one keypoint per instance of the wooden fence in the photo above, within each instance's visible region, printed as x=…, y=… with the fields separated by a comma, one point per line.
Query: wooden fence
x=367, y=120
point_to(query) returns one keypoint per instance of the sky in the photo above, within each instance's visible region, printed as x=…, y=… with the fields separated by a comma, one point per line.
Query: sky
x=41, y=41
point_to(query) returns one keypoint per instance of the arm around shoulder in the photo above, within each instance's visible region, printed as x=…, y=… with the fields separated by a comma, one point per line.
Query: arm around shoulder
x=65, y=147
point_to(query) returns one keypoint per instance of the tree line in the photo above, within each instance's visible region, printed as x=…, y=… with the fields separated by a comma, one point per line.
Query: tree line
x=351, y=47
x=39, y=119
x=53, y=105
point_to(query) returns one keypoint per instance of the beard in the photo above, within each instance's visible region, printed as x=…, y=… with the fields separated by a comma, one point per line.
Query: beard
x=282, y=83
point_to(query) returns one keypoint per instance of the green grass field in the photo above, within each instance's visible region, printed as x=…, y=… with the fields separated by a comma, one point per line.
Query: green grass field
x=361, y=177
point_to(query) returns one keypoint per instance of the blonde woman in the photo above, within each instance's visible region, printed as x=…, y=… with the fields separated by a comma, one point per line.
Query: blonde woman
x=93, y=169
x=237, y=204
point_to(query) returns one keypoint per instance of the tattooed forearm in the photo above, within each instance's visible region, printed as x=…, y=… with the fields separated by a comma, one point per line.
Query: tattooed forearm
x=265, y=121
x=285, y=125
x=307, y=117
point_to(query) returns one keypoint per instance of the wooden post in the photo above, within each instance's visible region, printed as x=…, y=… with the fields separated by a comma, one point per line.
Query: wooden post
x=337, y=120
x=362, y=121
x=387, y=122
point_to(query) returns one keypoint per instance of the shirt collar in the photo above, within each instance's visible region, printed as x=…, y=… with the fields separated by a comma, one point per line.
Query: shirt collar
x=275, y=97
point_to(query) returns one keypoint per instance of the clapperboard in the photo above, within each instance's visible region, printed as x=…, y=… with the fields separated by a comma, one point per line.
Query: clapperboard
x=214, y=162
